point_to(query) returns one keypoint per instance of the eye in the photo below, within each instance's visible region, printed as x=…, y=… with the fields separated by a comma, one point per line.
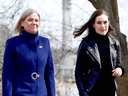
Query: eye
x=105, y=22
x=37, y=20
x=29, y=19
x=99, y=22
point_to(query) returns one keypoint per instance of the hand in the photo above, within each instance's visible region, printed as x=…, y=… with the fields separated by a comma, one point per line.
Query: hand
x=117, y=72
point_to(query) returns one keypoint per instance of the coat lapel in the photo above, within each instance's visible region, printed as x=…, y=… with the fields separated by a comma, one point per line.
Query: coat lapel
x=93, y=49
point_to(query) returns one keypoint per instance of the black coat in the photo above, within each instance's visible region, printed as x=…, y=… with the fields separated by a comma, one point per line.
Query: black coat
x=88, y=65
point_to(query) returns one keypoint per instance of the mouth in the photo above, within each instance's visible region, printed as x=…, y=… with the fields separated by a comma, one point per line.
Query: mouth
x=33, y=27
x=103, y=30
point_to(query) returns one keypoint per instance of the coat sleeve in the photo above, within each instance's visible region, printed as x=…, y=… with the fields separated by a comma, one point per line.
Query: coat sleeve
x=81, y=70
x=49, y=73
x=118, y=61
x=8, y=69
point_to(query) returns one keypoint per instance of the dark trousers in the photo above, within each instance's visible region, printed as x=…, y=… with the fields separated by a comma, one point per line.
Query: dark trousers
x=102, y=92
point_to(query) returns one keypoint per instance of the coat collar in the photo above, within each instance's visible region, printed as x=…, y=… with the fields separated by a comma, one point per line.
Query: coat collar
x=25, y=34
x=91, y=41
x=111, y=40
x=28, y=36
x=93, y=48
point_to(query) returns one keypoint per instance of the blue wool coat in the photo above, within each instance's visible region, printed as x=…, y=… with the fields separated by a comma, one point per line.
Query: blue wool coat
x=24, y=55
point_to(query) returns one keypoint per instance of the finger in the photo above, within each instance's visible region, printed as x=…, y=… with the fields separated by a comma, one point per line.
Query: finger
x=119, y=72
x=116, y=74
x=114, y=70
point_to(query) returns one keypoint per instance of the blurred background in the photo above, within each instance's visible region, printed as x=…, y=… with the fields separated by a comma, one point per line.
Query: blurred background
x=59, y=18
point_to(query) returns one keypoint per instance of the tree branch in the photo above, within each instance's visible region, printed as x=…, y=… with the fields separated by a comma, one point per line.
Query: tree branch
x=94, y=3
x=9, y=8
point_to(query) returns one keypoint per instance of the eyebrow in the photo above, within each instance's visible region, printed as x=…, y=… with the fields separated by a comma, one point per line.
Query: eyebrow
x=101, y=21
x=35, y=18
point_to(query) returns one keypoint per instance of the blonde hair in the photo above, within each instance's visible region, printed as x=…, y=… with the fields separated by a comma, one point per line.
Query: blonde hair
x=18, y=28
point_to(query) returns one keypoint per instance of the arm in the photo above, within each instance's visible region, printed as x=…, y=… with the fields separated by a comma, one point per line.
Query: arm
x=8, y=69
x=119, y=71
x=80, y=70
x=49, y=74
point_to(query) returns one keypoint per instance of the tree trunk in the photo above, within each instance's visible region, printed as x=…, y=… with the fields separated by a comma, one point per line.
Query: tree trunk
x=67, y=34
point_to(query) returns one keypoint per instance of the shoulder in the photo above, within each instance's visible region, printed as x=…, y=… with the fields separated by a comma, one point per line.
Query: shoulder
x=11, y=43
x=44, y=41
x=117, y=42
x=43, y=38
x=13, y=40
x=88, y=41
x=83, y=44
x=114, y=41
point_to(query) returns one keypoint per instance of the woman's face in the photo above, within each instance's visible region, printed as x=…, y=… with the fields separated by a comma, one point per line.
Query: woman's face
x=31, y=23
x=101, y=24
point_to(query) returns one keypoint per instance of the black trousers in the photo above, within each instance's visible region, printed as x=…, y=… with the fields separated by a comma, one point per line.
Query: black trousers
x=102, y=94
x=102, y=91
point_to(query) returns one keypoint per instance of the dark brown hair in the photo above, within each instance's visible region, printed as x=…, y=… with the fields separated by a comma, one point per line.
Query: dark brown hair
x=88, y=25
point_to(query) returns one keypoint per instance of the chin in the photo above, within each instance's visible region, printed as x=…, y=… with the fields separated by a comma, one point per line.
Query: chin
x=34, y=31
x=104, y=33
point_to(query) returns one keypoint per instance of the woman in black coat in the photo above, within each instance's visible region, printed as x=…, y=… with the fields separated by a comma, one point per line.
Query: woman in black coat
x=99, y=58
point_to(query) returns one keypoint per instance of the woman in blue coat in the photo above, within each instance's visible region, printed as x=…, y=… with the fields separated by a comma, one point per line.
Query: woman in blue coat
x=28, y=65
x=99, y=58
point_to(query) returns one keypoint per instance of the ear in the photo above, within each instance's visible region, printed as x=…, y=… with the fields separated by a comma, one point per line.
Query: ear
x=93, y=25
x=21, y=22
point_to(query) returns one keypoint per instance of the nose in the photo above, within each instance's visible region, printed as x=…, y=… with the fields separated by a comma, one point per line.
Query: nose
x=103, y=25
x=34, y=22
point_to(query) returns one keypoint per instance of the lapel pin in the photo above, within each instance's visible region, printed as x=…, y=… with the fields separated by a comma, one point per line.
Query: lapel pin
x=40, y=46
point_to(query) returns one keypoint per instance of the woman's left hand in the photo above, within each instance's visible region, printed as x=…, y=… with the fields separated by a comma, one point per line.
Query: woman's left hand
x=117, y=72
